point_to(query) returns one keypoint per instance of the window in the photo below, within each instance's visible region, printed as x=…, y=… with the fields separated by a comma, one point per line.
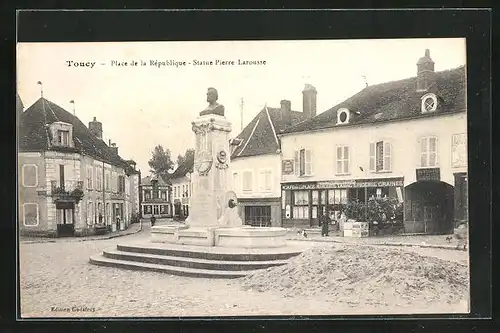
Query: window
x=428, y=152
x=147, y=194
x=429, y=103
x=113, y=182
x=89, y=177
x=63, y=138
x=337, y=196
x=301, y=204
x=247, y=180
x=30, y=175
x=259, y=216
x=303, y=162
x=98, y=177
x=342, y=116
x=90, y=213
x=121, y=184
x=265, y=180
x=106, y=181
x=30, y=212
x=187, y=191
x=342, y=160
x=380, y=156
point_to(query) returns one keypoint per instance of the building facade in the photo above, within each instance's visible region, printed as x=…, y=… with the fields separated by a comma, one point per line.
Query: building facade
x=69, y=180
x=405, y=139
x=182, y=188
x=256, y=162
x=155, y=197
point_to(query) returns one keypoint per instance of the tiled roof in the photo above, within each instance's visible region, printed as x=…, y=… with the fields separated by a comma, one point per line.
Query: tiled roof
x=19, y=104
x=394, y=100
x=148, y=181
x=183, y=169
x=258, y=137
x=34, y=136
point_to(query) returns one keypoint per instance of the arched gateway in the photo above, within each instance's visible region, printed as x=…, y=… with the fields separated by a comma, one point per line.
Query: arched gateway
x=429, y=207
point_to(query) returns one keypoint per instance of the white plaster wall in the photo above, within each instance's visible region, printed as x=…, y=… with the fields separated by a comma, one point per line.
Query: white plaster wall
x=255, y=164
x=72, y=168
x=404, y=136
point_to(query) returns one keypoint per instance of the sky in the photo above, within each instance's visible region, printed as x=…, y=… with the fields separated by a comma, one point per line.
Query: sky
x=144, y=106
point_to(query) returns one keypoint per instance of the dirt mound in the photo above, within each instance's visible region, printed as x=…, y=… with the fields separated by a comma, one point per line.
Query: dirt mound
x=365, y=274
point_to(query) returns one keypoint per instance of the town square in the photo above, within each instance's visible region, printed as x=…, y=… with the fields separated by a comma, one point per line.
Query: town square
x=282, y=187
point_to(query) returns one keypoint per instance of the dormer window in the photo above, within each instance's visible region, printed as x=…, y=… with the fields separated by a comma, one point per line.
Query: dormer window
x=63, y=137
x=343, y=117
x=61, y=134
x=429, y=103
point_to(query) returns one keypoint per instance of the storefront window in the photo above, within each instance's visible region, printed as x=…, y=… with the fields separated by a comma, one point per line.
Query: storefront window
x=315, y=197
x=337, y=196
x=301, y=205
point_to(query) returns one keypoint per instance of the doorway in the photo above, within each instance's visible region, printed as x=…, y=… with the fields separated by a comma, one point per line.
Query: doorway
x=65, y=216
x=429, y=207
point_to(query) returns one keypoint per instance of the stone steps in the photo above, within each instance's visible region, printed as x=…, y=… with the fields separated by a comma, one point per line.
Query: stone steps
x=212, y=253
x=173, y=270
x=193, y=261
x=187, y=262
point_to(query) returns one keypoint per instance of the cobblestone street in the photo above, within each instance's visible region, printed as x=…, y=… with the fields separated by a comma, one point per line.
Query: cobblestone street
x=56, y=280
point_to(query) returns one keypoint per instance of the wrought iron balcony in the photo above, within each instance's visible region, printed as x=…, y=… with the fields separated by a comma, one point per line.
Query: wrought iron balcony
x=68, y=190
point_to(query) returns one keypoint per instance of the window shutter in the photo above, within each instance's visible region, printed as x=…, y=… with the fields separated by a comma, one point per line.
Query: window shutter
x=262, y=180
x=309, y=162
x=372, y=156
x=387, y=156
x=423, y=152
x=269, y=180
x=338, y=159
x=433, y=152
x=296, y=162
x=346, y=159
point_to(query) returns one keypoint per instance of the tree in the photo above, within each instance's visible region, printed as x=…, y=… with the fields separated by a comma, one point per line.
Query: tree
x=188, y=155
x=160, y=161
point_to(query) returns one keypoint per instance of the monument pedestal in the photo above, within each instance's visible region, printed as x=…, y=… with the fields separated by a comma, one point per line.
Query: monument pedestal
x=235, y=237
x=213, y=218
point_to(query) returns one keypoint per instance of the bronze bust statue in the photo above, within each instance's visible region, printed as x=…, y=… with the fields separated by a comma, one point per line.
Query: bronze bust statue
x=213, y=107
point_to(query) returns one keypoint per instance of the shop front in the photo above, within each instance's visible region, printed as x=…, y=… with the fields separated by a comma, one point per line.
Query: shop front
x=260, y=212
x=429, y=206
x=304, y=203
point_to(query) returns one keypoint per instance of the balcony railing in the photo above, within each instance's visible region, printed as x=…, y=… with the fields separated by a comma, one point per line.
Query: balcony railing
x=69, y=190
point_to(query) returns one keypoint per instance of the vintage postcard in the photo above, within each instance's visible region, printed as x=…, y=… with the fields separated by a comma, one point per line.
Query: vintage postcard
x=242, y=178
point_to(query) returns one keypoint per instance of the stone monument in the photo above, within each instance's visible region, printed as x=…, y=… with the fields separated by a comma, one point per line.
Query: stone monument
x=213, y=213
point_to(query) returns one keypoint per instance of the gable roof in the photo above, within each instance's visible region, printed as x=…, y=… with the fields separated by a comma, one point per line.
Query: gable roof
x=184, y=168
x=394, y=100
x=34, y=136
x=259, y=136
x=19, y=104
x=149, y=181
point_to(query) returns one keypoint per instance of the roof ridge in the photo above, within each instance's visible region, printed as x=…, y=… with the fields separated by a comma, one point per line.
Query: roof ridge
x=272, y=126
x=250, y=136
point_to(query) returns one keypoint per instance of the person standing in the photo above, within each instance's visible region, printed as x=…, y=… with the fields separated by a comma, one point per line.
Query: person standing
x=153, y=220
x=325, y=222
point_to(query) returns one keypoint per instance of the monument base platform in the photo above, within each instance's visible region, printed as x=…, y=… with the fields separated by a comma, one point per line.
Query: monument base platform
x=233, y=237
x=194, y=261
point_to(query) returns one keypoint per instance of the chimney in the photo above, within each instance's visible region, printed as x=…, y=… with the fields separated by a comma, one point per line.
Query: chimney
x=113, y=147
x=309, y=101
x=96, y=128
x=286, y=114
x=425, y=72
